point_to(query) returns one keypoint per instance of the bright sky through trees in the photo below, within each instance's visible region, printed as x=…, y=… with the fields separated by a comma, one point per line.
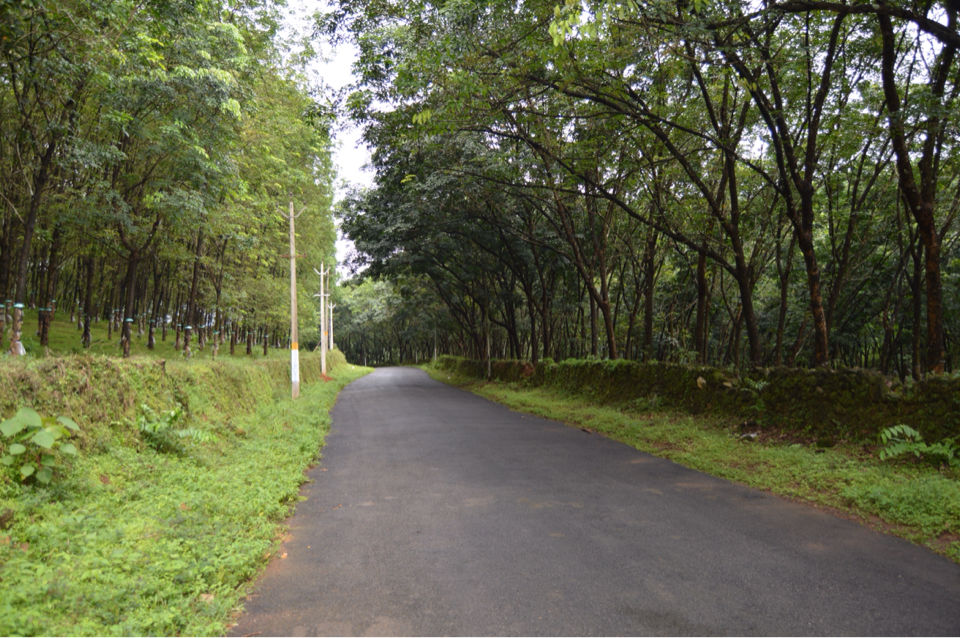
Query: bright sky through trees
x=333, y=69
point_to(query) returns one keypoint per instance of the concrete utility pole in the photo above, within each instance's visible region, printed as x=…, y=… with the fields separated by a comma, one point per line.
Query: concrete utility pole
x=323, y=322
x=294, y=346
x=332, y=306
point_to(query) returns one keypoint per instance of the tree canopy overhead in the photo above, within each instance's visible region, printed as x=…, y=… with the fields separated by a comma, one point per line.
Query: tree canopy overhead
x=707, y=180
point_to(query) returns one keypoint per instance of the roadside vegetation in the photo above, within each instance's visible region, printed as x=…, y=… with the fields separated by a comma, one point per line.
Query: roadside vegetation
x=173, y=499
x=149, y=153
x=64, y=339
x=906, y=496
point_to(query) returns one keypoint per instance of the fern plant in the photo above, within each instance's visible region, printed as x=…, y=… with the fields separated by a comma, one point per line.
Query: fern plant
x=901, y=439
x=160, y=431
x=759, y=407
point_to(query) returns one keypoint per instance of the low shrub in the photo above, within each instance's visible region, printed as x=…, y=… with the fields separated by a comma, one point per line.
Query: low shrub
x=36, y=447
x=824, y=404
x=902, y=440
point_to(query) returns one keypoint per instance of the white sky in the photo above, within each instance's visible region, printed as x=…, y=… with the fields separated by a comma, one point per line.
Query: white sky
x=335, y=71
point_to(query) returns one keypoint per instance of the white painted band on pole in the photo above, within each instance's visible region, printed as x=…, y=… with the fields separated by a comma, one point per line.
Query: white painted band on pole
x=295, y=365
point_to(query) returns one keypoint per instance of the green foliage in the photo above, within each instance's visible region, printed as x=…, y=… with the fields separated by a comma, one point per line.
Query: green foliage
x=37, y=446
x=902, y=440
x=853, y=405
x=618, y=382
x=170, y=133
x=382, y=322
x=755, y=386
x=650, y=403
x=527, y=154
x=63, y=342
x=136, y=541
x=160, y=431
x=930, y=502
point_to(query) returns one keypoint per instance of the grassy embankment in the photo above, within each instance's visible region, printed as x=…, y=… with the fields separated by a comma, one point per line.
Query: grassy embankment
x=917, y=502
x=154, y=533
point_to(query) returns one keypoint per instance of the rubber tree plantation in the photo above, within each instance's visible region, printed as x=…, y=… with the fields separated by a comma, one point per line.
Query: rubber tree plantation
x=711, y=182
x=146, y=154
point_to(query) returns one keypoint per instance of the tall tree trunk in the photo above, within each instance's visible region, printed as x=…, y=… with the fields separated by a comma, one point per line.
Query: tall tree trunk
x=6, y=249
x=916, y=367
x=745, y=286
x=178, y=319
x=156, y=303
x=76, y=294
x=700, y=338
x=649, y=273
x=921, y=198
x=6, y=258
x=154, y=313
x=486, y=343
x=821, y=339
x=634, y=310
x=88, y=263
x=47, y=300
x=532, y=316
x=29, y=226
x=130, y=285
x=594, y=341
x=784, y=267
x=193, y=312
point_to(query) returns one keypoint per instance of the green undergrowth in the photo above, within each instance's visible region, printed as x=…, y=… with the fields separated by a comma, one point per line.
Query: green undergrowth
x=843, y=404
x=65, y=339
x=137, y=537
x=914, y=501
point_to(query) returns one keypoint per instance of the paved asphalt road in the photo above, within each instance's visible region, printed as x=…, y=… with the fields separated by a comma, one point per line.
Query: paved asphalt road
x=436, y=512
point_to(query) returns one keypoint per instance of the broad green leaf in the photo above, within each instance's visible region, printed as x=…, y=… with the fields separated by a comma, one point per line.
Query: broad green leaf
x=44, y=474
x=30, y=417
x=69, y=448
x=16, y=449
x=68, y=423
x=6, y=460
x=27, y=470
x=43, y=438
x=11, y=426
